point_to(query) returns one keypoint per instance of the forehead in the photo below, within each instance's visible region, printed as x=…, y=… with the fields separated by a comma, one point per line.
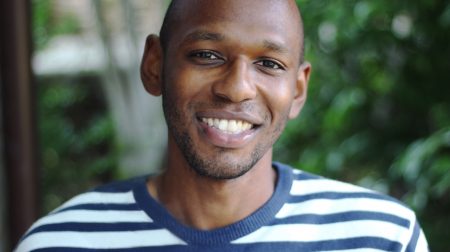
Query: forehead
x=277, y=18
x=243, y=10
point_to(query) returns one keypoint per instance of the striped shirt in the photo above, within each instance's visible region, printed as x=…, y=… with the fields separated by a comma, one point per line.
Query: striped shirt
x=305, y=213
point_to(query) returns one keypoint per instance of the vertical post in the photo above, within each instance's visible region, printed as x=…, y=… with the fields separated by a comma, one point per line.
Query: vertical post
x=18, y=117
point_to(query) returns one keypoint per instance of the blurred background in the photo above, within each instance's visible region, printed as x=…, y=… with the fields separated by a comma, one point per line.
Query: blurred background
x=377, y=115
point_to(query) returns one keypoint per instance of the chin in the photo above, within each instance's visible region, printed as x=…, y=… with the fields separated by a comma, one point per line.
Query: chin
x=222, y=166
x=218, y=172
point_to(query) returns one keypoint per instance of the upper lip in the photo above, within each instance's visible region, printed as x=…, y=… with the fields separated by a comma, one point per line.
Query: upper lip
x=230, y=115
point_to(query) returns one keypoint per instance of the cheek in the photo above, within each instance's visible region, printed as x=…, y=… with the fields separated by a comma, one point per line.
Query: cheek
x=278, y=97
x=184, y=85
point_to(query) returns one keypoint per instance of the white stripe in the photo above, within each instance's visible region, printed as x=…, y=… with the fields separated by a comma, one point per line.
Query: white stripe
x=93, y=216
x=303, y=187
x=295, y=171
x=422, y=244
x=331, y=206
x=99, y=198
x=313, y=233
x=100, y=240
x=106, y=216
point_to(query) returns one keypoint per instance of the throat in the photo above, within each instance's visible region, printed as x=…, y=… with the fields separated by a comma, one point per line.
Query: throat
x=207, y=205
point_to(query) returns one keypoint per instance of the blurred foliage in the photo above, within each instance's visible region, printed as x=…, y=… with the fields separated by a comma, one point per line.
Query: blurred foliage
x=47, y=24
x=378, y=112
x=76, y=137
x=75, y=129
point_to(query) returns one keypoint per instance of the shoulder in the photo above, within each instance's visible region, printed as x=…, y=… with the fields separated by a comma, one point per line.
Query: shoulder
x=118, y=192
x=100, y=210
x=347, y=210
x=307, y=187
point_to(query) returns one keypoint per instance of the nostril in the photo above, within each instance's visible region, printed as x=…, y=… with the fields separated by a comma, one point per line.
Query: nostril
x=223, y=97
x=235, y=92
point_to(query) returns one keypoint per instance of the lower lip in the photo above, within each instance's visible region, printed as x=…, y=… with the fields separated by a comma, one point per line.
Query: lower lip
x=225, y=140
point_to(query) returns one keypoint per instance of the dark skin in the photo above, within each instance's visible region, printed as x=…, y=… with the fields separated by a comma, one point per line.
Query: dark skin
x=236, y=62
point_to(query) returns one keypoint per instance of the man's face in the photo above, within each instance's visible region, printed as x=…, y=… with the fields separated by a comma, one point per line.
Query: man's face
x=229, y=81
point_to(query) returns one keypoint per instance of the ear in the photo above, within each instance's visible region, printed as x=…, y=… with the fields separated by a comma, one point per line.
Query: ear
x=300, y=89
x=151, y=65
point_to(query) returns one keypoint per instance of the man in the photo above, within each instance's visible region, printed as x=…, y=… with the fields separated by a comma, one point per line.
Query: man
x=231, y=74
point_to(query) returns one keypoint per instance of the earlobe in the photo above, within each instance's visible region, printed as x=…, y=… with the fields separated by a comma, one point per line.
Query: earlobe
x=301, y=90
x=151, y=65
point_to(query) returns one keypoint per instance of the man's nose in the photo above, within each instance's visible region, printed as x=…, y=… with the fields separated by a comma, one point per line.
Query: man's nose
x=237, y=84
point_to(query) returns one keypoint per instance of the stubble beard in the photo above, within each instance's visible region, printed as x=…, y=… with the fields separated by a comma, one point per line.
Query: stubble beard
x=217, y=167
x=220, y=166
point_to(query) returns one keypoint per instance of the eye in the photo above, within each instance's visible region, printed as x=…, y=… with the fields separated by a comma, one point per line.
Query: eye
x=271, y=64
x=205, y=57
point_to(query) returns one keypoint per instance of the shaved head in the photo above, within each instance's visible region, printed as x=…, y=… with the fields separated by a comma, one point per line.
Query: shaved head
x=181, y=10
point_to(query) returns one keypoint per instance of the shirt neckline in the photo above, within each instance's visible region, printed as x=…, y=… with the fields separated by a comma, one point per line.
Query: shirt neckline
x=263, y=216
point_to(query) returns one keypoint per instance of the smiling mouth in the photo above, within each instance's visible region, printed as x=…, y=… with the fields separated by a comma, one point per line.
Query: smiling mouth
x=228, y=126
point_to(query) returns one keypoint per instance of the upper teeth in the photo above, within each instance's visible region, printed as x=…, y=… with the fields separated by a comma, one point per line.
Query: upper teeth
x=228, y=126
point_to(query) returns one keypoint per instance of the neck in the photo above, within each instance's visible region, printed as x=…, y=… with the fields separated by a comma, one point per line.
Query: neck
x=205, y=203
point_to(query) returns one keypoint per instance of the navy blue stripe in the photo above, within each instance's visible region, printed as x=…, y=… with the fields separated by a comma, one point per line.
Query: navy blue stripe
x=343, y=217
x=101, y=207
x=326, y=245
x=335, y=195
x=341, y=244
x=94, y=227
x=414, y=238
x=305, y=176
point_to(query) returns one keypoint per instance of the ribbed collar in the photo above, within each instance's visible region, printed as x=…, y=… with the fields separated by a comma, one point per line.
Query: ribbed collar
x=263, y=216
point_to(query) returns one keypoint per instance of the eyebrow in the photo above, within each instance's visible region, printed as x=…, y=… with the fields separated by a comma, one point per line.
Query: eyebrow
x=275, y=46
x=204, y=35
